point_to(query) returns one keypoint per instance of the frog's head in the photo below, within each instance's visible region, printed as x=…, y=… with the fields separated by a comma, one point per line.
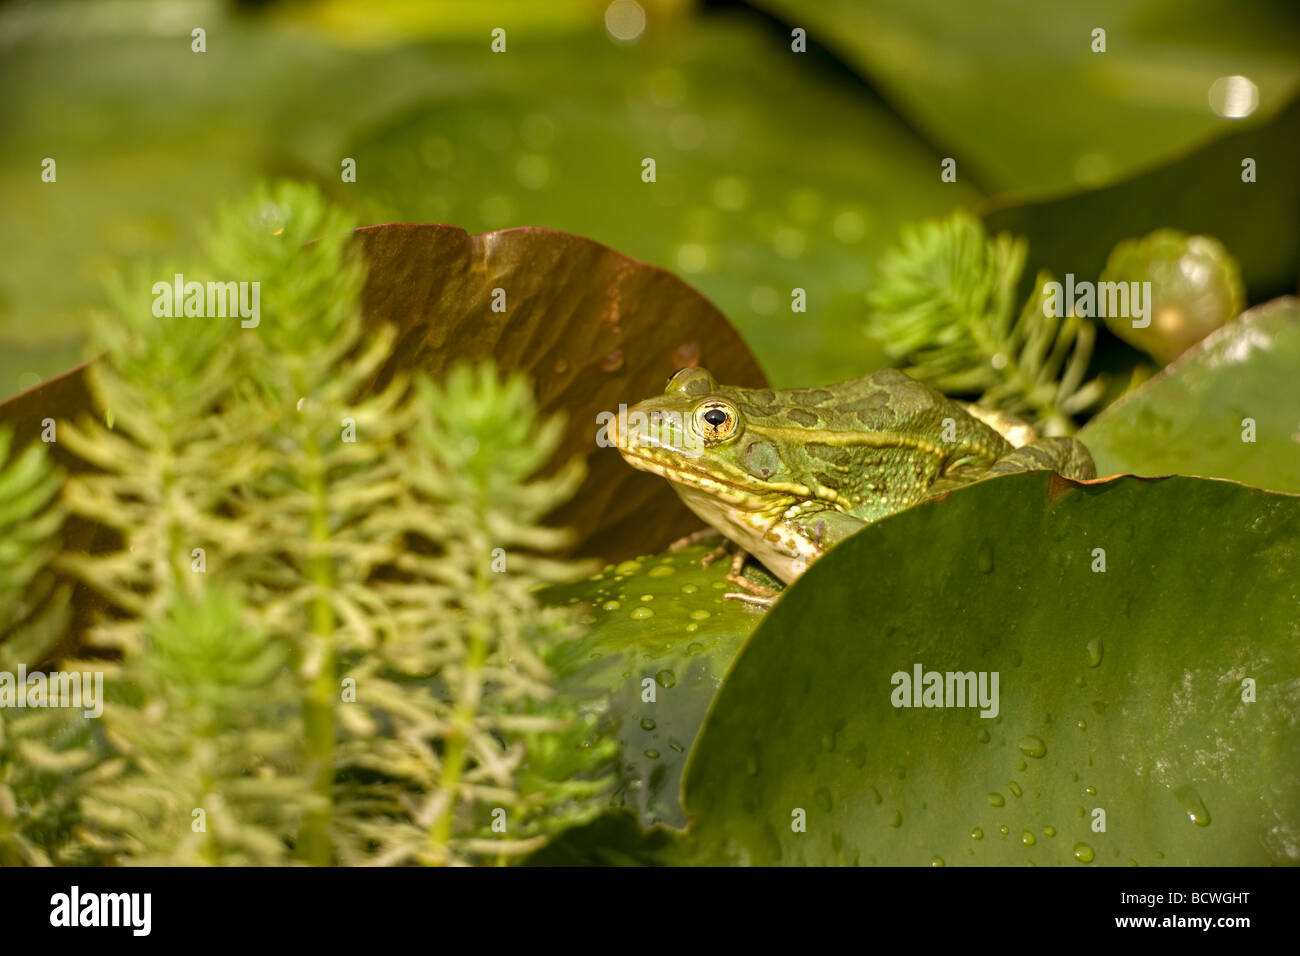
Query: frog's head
x=703, y=437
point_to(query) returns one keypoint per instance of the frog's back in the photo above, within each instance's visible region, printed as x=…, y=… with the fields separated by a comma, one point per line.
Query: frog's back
x=887, y=401
x=879, y=441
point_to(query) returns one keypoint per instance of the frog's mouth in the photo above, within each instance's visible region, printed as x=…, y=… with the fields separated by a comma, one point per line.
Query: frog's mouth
x=735, y=489
x=739, y=492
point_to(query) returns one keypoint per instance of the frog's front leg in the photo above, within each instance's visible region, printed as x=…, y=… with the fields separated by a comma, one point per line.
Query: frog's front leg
x=1065, y=456
x=800, y=538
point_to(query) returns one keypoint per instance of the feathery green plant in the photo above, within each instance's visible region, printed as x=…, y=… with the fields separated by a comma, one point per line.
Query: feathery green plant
x=384, y=547
x=38, y=748
x=944, y=307
x=169, y=447
x=209, y=740
x=490, y=761
x=30, y=519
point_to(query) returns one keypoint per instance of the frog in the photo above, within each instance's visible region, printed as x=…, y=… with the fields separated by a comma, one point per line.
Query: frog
x=785, y=475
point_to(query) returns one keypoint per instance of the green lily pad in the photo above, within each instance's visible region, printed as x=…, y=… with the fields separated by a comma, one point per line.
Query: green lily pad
x=1201, y=193
x=659, y=619
x=771, y=177
x=773, y=171
x=1162, y=691
x=1193, y=418
x=1016, y=93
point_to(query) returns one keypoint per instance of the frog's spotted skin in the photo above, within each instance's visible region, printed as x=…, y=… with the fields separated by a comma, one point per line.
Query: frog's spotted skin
x=787, y=474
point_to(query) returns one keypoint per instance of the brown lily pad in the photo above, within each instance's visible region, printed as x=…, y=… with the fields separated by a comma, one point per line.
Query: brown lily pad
x=590, y=327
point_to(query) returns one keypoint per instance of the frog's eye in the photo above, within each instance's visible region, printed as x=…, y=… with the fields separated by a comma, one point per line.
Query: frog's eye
x=715, y=420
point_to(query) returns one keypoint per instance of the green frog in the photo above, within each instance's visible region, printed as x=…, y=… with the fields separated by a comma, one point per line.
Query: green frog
x=786, y=475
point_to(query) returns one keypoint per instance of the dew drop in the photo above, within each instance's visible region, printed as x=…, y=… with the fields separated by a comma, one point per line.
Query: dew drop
x=1032, y=746
x=1193, y=806
x=936, y=861
x=1015, y=788
x=997, y=800
x=689, y=588
x=666, y=678
x=662, y=571
x=1027, y=838
x=641, y=613
x=1095, y=651
x=647, y=723
x=977, y=834
x=652, y=754
x=610, y=606
x=1083, y=853
x=896, y=820
x=699, y=615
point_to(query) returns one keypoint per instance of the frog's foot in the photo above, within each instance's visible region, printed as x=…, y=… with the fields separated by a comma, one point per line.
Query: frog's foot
x=758, y=594
x=695, y=537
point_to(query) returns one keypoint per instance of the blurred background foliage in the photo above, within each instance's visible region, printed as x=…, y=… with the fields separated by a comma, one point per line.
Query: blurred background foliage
x=775, y=170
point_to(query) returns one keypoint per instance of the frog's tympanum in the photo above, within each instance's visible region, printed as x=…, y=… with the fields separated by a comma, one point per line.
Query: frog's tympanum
x=786, y=475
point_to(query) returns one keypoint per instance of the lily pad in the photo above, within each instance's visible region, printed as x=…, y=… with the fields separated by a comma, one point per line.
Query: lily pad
x=656, y=625
x=1202, y=193
x=593, y=330
x=773, y=171
x=1016, y=92
x=1161, y=691
x=771, y=176
x=1196, y=416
